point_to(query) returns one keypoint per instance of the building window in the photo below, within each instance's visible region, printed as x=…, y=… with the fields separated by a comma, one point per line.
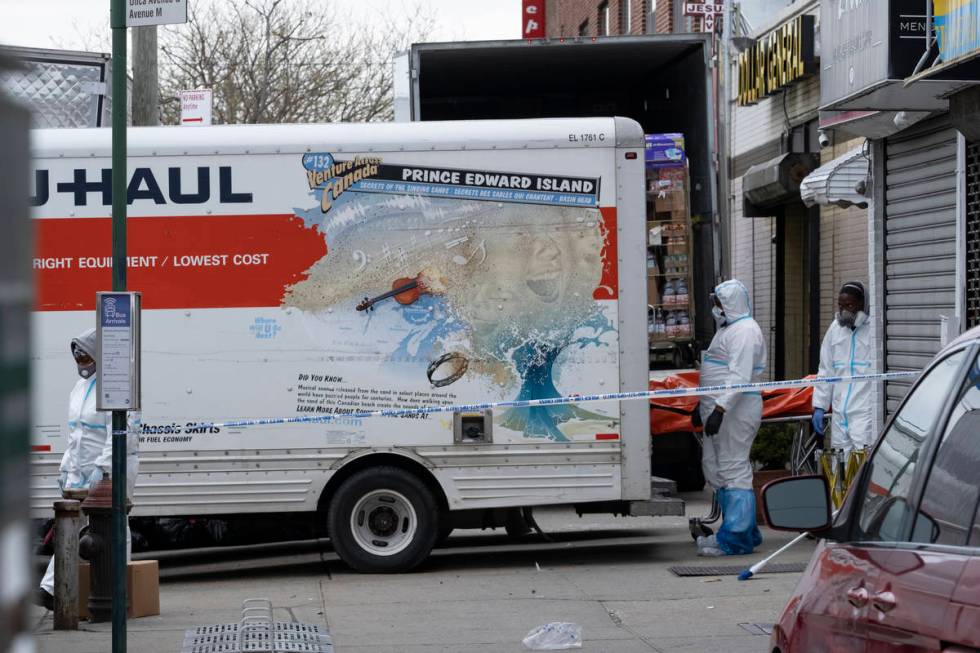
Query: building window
x=604, y=27
x=972, y=234
x=583, y=29
x=625, y=16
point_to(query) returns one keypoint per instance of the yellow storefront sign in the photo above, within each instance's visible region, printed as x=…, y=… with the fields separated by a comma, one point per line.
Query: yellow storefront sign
x=957, y=27
x=776, y=60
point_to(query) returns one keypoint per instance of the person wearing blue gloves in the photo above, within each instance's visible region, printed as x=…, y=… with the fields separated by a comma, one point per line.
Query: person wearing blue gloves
x=737, y=354
x=846, y=351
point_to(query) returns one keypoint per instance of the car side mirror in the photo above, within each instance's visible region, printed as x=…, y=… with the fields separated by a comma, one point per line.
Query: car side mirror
x=797, y=503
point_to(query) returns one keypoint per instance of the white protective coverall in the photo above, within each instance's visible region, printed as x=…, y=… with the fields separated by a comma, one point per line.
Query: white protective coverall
x=737, y=354
x=846, y=352
x=88, y=455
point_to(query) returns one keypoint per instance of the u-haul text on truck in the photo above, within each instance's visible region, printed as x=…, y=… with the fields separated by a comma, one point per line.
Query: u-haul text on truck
x=329, y=270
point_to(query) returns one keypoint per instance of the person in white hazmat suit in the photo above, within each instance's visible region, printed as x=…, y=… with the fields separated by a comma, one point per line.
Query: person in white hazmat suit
x=846, y=351
x=737, y=354
x=88, y=455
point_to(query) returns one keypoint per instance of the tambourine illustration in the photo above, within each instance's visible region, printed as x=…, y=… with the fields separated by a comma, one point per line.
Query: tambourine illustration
x=447, y=369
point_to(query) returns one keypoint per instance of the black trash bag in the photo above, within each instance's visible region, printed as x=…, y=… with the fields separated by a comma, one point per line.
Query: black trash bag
x=178, y=533
x=44, y=537
x=185, y=533
x=138, y=540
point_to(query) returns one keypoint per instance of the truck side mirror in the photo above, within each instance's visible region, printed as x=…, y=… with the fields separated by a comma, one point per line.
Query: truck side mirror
x=798, y=503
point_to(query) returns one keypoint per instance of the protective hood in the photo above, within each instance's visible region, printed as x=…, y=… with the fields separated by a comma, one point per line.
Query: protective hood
x=855, y=288
x=86, y=342
x=734, y=298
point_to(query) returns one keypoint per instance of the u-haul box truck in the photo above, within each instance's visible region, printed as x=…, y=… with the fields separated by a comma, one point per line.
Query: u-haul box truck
x=326, y=270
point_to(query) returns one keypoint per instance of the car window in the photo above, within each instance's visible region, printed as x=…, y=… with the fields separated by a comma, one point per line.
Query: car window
x=949, y=500
x=884, y=507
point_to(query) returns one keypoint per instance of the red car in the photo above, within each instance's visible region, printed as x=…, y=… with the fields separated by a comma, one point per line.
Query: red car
x=899, y=566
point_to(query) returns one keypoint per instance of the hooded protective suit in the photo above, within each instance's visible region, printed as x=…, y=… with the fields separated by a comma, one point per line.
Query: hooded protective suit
x=845, y=352
x=88, y=455
x=737, y=354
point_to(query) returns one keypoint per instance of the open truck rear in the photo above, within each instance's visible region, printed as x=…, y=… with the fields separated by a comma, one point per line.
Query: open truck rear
x=326, y=270
x=665, y=82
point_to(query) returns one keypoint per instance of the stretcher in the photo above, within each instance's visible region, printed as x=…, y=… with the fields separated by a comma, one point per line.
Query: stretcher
x=785, y=406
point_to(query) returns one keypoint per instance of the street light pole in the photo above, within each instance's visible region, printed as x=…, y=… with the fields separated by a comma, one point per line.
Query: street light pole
x=118, y=541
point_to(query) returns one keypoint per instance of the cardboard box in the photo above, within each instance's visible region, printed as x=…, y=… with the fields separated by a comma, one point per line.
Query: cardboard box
x=142, y=588
x=664, y=150
x=670, y=201
x=653, y=294
x=675, y=177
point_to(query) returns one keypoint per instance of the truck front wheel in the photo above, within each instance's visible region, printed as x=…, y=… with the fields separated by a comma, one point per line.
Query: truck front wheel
x=383, y=519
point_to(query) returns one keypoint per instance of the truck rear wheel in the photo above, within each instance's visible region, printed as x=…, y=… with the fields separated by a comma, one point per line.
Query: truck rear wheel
x=383, y=519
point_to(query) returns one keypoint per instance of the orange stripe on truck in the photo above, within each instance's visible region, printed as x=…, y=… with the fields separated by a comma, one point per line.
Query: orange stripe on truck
x=226, y=261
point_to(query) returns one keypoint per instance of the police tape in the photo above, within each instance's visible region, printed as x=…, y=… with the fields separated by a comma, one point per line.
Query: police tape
x=570, y=399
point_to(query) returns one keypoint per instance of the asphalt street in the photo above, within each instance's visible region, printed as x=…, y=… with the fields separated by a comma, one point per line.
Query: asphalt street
x=480, y=592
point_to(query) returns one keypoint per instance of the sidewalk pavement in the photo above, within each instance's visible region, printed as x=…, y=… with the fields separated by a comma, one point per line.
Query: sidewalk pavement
x=484, y=592
x=297, y=596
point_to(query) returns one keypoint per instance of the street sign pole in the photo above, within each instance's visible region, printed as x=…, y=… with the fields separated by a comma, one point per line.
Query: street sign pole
x=119, y=94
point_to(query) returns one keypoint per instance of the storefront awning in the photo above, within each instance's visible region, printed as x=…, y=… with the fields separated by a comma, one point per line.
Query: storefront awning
x=841, y=182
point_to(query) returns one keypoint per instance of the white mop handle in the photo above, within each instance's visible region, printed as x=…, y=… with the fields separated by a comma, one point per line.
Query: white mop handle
x=762, y=563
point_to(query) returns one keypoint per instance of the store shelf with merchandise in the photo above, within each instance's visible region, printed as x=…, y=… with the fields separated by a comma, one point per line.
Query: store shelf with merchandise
x=670, y=309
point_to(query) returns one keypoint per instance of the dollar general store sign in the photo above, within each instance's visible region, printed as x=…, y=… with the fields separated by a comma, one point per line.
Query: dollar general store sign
x=776, y=60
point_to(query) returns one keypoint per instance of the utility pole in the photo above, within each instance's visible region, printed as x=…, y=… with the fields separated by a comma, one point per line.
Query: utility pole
x=722, y=234
x=146, y=88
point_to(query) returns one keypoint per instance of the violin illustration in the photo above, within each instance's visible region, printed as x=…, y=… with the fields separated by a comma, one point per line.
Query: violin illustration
x=405, y=290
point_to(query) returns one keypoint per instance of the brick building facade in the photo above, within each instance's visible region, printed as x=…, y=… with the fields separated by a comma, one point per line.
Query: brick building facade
x=567, y=18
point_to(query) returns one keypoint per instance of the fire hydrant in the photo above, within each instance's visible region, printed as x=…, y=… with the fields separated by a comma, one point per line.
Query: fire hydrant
x=95, y=546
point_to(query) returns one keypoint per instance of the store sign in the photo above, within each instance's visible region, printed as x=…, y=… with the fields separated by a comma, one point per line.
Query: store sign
x=957, y=27
x=532, y=19
x=700, y=9
x=863, y=45
x=776, y=60
x=708, y=12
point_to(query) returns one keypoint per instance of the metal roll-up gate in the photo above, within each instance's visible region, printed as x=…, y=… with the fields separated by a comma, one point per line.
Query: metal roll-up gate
x=972, y=234
x=920, y=246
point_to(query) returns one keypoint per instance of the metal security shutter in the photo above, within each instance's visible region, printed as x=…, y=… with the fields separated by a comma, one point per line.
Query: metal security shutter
x=972, y=235
x=920, y=245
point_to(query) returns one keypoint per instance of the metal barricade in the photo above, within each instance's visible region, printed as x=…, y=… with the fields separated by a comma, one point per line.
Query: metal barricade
x=258, y=632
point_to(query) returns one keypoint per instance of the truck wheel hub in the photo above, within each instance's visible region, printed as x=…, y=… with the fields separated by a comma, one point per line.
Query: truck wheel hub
x=383, y=521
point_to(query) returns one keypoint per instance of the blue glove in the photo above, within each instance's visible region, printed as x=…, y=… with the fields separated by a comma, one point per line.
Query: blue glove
x=817, y=421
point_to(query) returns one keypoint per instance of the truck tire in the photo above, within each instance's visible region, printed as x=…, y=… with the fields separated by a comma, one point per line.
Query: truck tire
x=515, y=525
x=383, y=519
x=444, y=533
